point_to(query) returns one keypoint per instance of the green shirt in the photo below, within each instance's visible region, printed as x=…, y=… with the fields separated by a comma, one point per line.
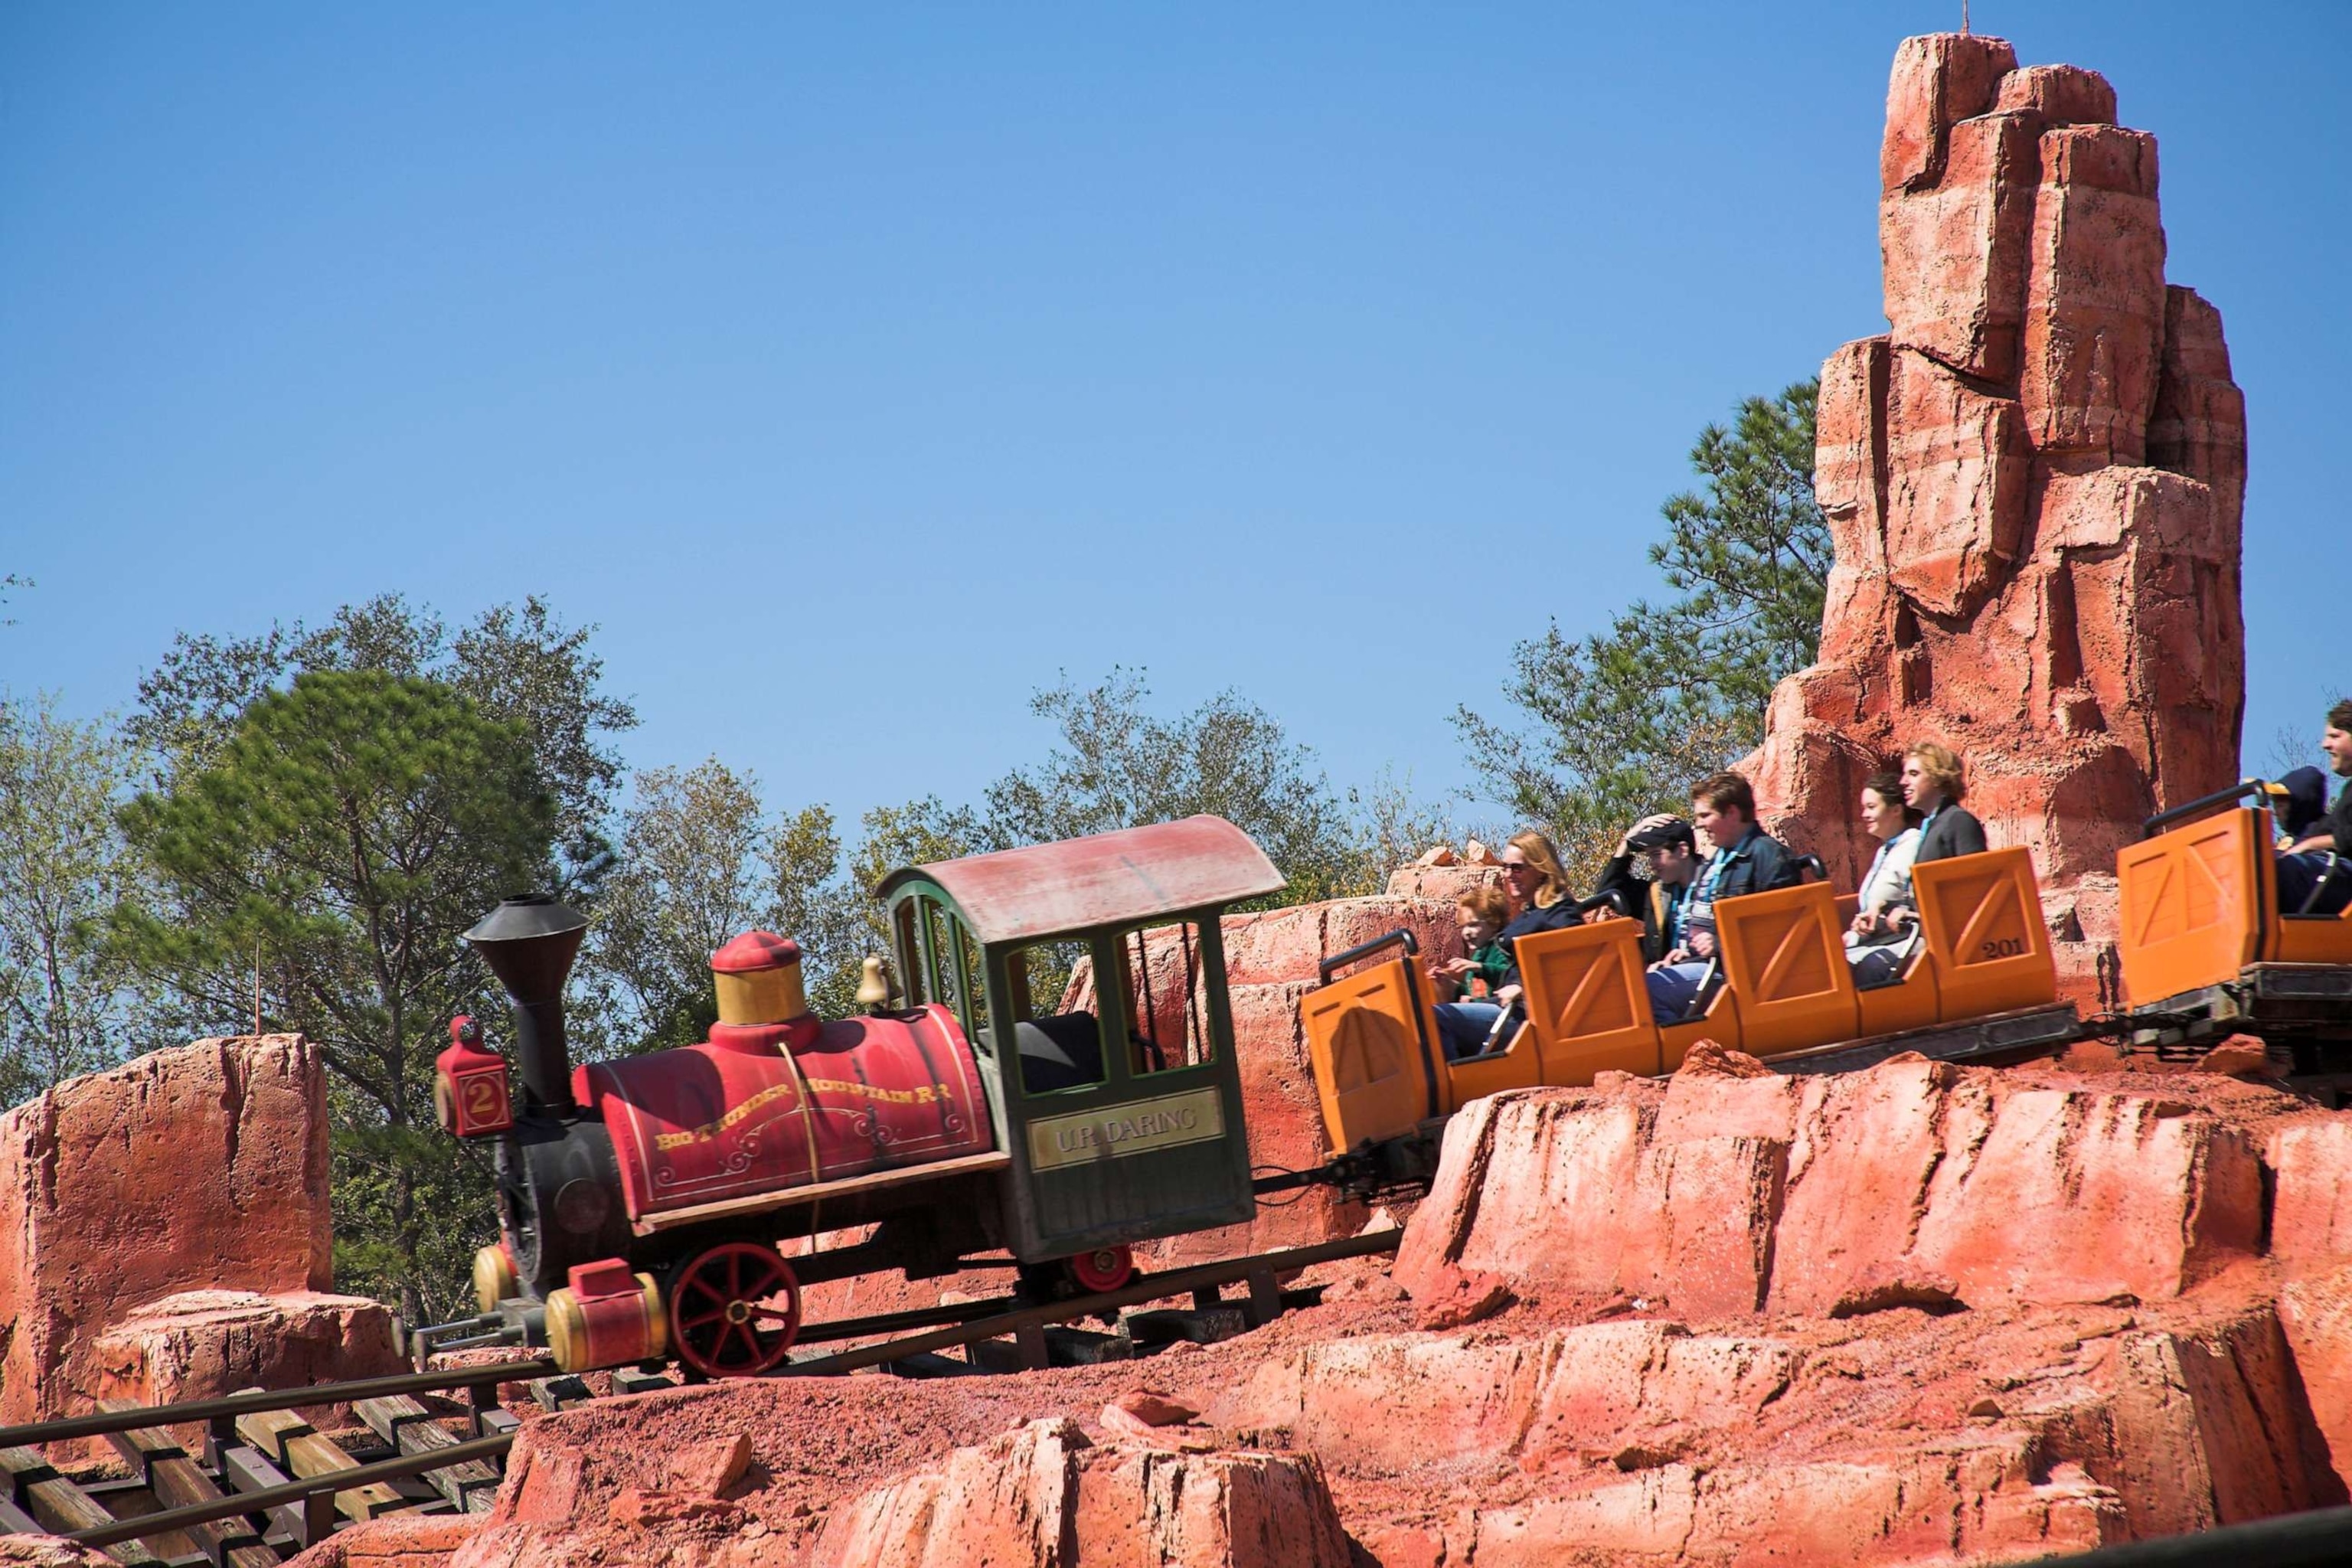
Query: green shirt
x=1492, y=963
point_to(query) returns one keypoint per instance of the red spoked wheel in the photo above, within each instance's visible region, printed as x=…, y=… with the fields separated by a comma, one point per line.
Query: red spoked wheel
x=1104, y=1268
x=734, y=1311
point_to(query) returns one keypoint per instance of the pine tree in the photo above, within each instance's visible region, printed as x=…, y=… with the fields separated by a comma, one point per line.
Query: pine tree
x=326, y=856
x=1618, y=724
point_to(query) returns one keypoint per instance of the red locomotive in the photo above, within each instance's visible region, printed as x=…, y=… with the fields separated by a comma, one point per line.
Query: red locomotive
x=641, y=1200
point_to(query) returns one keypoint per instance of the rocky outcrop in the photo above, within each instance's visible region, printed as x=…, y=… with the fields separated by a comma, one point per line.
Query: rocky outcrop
x=1912, y=1183
x=2100, y=1257
x=202, y=1342
x=832, y=1473
x=50, y=1551
x=1047, y=1494
x=2033, y=482
x=395, y=1541
x=202, y=1166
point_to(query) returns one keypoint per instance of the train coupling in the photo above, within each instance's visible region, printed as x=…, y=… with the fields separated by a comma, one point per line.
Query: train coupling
x=518, y=1322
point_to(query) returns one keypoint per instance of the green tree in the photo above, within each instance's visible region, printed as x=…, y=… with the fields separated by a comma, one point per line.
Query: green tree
x=62, y=992
x=701, y=861
x=327, y=853
x=1118, y=767
x=516, y=662
x=1617, y=724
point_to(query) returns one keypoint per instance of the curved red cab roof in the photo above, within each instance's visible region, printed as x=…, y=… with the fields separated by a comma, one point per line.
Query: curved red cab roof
x=1110, y=879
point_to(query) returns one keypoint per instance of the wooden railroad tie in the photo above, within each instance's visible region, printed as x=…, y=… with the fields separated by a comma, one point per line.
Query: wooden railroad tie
x=178, y=1482
x=43, y=1502
x=280, y=1445
x=410, y=1428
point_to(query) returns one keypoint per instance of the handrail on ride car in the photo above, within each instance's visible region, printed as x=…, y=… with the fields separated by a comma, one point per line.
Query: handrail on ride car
x=1365, y=950
x=2203, y=803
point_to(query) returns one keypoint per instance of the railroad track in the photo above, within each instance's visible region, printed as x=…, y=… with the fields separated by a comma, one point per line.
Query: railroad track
x=262, y=1484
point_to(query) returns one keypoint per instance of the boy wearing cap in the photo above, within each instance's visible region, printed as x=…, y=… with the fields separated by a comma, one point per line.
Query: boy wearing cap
x=1672, y=851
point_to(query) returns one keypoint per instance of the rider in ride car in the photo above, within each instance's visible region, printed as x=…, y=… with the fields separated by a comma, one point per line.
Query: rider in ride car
x=1877, y=945
x=1672, y=850
x=1746, y=860
x=1479, y=915
x=2306, y=884
x=1932, y=785
x=1538, y=891
x=2300, y=811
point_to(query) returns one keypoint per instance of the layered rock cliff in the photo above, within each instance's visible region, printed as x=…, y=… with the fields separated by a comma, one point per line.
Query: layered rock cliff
x=2034, y=481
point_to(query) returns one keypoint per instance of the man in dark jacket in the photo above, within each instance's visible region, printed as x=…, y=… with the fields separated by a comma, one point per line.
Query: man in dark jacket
x=2309, y=882
x=1746, y=860
x=1672, y=851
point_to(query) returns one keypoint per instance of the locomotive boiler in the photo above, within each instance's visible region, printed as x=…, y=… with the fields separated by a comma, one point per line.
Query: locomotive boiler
x=642, y=1201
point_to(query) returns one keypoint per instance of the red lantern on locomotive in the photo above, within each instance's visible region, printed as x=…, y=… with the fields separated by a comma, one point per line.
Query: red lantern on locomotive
x=470, y=1085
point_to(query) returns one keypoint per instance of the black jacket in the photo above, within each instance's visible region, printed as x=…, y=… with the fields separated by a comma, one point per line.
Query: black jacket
x=1534, y=918
x=1644, y=900
x=1759, y=863
x=1953, y=832
x=2339, y=820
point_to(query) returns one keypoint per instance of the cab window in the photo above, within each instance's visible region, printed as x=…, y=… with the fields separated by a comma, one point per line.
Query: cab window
x=951, y=965
x=909, y=977
x=1059, y=1050
x=1162, y=974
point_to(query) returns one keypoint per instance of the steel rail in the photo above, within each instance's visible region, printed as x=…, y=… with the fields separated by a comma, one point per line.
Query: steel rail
x=232, y=1404
x=146, y=1524
x=1176, y=1282
x=2282, y=1541
x=911, y=1318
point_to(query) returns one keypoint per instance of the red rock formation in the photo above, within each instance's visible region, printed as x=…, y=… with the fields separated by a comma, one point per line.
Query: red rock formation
x=200, y=1167
x=2031, y=1196
x=2311, y=1215
x=1025, y=1497
x=198, y=1344
x=1918, y=1181
x=2033, y=482
x=50, y=1551
x=829, y=1473
x=395, y=1541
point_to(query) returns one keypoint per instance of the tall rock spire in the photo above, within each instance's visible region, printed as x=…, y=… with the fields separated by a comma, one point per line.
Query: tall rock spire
x=2034, y=481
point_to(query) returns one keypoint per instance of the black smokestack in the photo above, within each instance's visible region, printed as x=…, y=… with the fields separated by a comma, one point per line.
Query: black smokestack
x=530, y=942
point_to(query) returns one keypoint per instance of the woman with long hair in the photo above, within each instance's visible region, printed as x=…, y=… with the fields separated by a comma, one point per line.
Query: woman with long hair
x=1877, y=943
x=1537, y=885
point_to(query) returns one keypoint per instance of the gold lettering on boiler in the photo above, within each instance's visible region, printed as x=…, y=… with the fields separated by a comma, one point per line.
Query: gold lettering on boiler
x=921, y=1094
x=1113, y=1130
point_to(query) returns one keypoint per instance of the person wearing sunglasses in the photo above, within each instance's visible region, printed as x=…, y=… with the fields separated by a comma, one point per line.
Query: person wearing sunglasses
x=1537, y=888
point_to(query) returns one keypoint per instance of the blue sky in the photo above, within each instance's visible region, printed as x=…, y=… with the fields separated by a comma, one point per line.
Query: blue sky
x=859, y=370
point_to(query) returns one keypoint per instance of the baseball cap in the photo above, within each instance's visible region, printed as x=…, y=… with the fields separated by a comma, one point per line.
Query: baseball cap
x=1673, y=830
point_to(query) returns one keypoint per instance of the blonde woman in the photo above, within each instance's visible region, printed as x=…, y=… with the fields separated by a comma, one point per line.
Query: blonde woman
x=1537, y=888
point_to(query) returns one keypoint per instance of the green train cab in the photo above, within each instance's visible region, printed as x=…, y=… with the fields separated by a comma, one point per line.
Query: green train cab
x=1120, y=1100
